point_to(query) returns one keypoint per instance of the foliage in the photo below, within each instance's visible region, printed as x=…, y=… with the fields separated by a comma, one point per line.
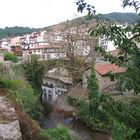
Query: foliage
x=10, y=57
x=59, y=133
x=34, y=72
x=122, y=132
x=23, y=94
x=122, y=119
x=122, y=18
x=93, y=92
x=15, y=31
x=126, y=39
x=92, y=85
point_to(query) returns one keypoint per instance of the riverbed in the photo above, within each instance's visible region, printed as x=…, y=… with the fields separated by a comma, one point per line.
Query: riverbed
x=77, y=128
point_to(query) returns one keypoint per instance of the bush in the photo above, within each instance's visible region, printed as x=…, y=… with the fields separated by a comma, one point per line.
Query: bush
x=34, y=72
x=10, y=57
x=23, y=94
x=60, y=133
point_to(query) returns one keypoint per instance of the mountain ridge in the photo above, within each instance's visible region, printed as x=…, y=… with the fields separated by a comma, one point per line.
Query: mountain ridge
x=117, y=17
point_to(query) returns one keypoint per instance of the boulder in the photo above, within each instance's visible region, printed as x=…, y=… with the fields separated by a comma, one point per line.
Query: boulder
x=10, y=131
x=9, y=124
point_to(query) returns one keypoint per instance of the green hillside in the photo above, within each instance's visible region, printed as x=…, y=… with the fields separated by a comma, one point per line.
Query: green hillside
x=122, y=18
x=15, y=31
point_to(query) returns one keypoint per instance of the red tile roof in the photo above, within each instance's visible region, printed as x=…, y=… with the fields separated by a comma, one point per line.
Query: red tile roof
x=105, y=68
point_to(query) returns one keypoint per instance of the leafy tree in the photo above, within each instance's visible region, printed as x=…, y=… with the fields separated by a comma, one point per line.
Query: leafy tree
x=10, y=57
x=34, y=71
x=127, y=40
x=123, y=118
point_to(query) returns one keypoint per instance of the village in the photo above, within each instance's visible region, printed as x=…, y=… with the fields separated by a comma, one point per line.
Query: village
x=63, y=43
x=75, y=79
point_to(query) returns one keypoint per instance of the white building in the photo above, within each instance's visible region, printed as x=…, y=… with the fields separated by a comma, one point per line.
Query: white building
x=56, y=83
x=106, y=44
x=48, y=52
x=5, y=44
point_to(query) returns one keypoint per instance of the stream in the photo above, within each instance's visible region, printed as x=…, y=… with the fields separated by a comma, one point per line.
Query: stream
x=57, y=115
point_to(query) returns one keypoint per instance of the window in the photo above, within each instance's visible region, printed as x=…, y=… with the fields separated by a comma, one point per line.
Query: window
x=112, y=78
x=45, y=95
x=50, y=97
x=43, y=56
x=49, y=91
x=44, y=90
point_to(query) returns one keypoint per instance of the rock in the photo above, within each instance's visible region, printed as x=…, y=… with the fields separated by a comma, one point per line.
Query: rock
x=9, y=124
x=68, y=121
x=10, y=131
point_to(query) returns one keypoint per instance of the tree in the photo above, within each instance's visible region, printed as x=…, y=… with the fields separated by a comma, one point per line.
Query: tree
x=34, y=72
x=10, y=57
x=93, y=93
x=123, y=117
x=77, y=44
x=126, y=38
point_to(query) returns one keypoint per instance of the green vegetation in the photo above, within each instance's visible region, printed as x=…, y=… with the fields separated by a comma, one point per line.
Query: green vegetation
x=22, y=93
x=15, y=31
x=34, y=72
x=122, y=119
x=59, y=133
x=10, y=57
x=122, y=18
x=26, y=102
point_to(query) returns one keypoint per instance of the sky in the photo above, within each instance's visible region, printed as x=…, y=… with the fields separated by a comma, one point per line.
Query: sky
x=42, y=13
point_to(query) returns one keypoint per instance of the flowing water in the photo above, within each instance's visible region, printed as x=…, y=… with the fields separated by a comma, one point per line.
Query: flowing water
x=65, y=116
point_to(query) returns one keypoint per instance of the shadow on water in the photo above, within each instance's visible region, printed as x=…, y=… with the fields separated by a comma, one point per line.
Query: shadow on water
x=55, y=116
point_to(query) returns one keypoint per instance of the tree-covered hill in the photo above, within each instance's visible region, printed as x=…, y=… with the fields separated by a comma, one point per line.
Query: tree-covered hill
x=15, y=31
x=122, y=18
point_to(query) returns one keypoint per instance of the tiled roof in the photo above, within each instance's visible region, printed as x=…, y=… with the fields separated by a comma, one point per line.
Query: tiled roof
x=105, y=68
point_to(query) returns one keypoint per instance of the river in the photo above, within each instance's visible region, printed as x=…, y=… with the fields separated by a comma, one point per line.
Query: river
x=77, y=128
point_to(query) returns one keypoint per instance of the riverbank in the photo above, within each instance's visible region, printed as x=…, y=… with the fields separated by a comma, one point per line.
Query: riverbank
x=63, y=114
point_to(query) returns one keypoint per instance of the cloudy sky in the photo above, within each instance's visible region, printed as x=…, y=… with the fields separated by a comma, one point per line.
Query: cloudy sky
x=41, y=13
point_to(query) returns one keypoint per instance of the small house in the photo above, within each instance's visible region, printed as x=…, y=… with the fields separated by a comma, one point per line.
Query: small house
x=106, y=83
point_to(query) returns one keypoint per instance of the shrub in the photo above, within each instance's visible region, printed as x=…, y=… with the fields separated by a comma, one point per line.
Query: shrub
x=23, y=94
x=60, y=133
x=10, y=57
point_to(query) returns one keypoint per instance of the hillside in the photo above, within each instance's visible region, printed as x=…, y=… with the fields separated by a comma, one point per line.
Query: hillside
x=122, y=18
x=15, y=31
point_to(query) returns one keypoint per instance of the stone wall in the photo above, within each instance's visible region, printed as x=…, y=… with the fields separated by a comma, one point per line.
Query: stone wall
x=105, y=83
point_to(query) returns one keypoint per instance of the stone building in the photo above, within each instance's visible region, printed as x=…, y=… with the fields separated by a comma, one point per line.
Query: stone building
x=106, y=83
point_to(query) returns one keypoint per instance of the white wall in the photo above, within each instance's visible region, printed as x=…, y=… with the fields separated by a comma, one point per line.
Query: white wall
x=54, y=92
x=107, y=45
